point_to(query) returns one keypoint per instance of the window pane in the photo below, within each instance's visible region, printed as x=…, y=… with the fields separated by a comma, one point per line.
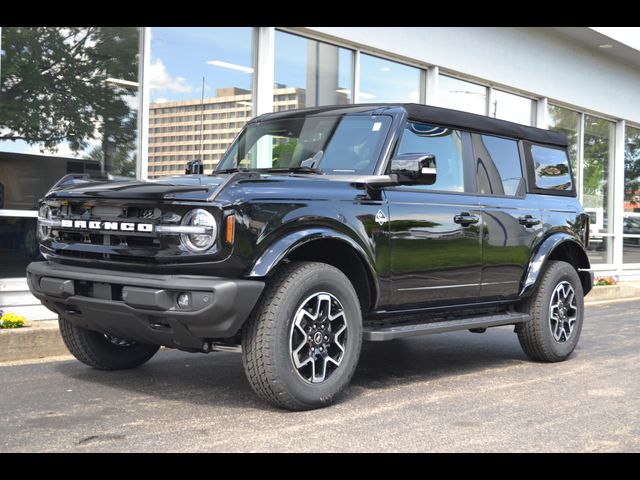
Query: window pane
x=461, y=95
x=598, y=155
x=631, y=222
x=445, y=144
x=631, y=250
x=514, y=108
x=499, y=169
x=551, y=168
x=568, y=122
x=180, y=59
x=69, y=103
x=385, y=81
x=309, y=73
x=632, y=170
x=18, y=245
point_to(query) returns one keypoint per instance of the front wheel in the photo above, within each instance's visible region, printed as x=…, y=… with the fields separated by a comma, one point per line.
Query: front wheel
x=301, y=346
x=557, y=311
x=103, y=351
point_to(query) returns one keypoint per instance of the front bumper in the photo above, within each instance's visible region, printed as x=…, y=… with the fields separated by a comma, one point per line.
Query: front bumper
x=143, y=307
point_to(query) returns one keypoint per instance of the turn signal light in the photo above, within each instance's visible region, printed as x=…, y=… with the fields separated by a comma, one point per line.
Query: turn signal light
x=231, y=227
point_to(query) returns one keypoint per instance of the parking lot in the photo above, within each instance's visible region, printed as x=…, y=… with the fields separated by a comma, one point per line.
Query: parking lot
x=448, y=392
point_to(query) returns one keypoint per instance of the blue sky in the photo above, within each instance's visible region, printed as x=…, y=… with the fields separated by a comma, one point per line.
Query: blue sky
x=179, y=59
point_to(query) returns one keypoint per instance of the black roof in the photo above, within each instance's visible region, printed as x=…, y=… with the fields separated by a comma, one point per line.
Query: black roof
x=439, y=116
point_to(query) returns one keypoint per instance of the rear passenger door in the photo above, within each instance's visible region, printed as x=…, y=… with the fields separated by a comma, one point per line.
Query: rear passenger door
x=511, y=223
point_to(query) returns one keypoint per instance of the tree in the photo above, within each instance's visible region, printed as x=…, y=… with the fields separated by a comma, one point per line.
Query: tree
x=632, y=165
x=123, y=163
x=57, y=86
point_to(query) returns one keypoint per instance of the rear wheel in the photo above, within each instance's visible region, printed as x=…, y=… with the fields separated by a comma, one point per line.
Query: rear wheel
x=102, y=351
x=301, y=346
x=557, y=311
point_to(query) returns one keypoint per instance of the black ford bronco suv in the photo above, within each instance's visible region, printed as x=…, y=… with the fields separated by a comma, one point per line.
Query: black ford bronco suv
x=321, y=228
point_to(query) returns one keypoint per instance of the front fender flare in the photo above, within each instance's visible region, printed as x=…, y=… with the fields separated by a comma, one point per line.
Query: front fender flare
x=279, y=249
x=541, y=257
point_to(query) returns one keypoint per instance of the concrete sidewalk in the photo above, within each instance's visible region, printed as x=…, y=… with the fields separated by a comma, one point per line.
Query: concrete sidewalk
x=41, y=337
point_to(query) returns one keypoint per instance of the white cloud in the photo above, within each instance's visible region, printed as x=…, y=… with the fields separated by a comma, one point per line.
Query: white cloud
x=161, y=80
x=161, y=100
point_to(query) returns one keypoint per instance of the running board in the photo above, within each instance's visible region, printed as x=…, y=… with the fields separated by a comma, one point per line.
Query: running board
x=381, y=334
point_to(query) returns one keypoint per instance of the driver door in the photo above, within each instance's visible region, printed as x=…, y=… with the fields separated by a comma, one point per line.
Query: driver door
x=435, y=230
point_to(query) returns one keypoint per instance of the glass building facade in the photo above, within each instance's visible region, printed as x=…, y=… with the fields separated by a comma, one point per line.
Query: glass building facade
x=142, y=102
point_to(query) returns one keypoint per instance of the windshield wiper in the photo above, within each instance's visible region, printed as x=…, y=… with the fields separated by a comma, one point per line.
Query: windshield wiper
x=229, y=170
x=297, y=170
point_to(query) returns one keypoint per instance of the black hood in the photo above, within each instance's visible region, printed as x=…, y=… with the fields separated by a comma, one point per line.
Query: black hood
x=185, y=187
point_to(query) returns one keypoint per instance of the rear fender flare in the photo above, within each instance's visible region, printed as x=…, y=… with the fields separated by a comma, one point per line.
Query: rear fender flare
x=541, y=257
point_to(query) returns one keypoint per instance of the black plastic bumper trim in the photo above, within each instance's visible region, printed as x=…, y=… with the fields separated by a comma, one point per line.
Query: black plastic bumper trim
x=147, y=311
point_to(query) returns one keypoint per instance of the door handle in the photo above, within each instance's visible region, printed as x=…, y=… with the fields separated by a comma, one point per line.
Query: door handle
x=465, y=219
x=528, y=221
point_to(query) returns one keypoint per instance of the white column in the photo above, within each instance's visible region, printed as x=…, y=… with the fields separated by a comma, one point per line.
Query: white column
x=541, y=114
x=618, y=193
x=487, y=110
x=263, y=69
x=580, y=166
x=431, y=95
x=144, y=67
x=356, y=76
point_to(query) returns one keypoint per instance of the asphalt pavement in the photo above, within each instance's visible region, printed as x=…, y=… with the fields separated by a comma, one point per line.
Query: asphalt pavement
x=449, y=392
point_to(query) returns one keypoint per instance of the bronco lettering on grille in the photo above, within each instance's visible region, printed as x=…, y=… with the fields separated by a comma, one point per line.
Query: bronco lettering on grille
x=98, y=225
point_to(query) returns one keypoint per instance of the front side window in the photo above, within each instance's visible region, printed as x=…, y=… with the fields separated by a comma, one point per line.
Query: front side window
x=445, y=144
x=552, y=169
x=498, y=165
x=333, y=144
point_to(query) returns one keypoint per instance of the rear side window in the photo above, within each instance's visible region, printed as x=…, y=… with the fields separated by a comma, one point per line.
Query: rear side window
x=498, y=167
x=551, y=168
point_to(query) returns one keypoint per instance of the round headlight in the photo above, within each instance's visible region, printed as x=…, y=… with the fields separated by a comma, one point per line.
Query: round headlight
x=206, y=231
x=44, y=230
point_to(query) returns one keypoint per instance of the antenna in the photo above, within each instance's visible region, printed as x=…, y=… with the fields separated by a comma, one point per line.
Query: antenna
x=202, y=122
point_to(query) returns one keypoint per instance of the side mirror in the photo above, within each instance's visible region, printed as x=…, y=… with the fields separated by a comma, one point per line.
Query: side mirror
x=195, y=167
x=414, y=168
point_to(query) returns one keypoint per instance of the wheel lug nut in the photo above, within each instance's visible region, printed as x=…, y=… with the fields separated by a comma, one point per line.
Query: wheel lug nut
x=326, y=337
x=321, y=349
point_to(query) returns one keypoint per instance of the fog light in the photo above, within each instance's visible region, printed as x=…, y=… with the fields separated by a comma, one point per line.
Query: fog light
x=184, y=300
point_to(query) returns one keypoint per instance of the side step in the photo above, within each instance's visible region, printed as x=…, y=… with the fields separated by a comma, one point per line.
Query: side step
x=381, y=334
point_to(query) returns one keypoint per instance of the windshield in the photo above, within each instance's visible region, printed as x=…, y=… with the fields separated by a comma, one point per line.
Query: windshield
x=333, y=144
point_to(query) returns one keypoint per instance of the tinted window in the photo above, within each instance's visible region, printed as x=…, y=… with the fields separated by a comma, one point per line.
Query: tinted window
x=551, y=167
x=445, y=144
x=498, y=165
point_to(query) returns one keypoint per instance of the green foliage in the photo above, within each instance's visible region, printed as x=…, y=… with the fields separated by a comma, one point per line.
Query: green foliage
x=55, y=87
x=632, y=166
x=11, y=320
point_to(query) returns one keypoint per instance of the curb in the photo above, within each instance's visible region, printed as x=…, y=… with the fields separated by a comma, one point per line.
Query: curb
x=626, y=290
x=37, y=340
x=41, y=339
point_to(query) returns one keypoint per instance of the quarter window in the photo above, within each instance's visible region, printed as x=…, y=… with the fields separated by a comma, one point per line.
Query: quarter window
x=551, y=166
x=445, y=144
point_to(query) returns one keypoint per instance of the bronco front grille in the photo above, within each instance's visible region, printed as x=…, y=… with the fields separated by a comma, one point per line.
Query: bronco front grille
x=94, y=240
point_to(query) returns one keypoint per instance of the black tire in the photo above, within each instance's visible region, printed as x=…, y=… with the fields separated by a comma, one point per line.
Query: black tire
x=267, y=337
x=94, y=349
x=536, y=336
